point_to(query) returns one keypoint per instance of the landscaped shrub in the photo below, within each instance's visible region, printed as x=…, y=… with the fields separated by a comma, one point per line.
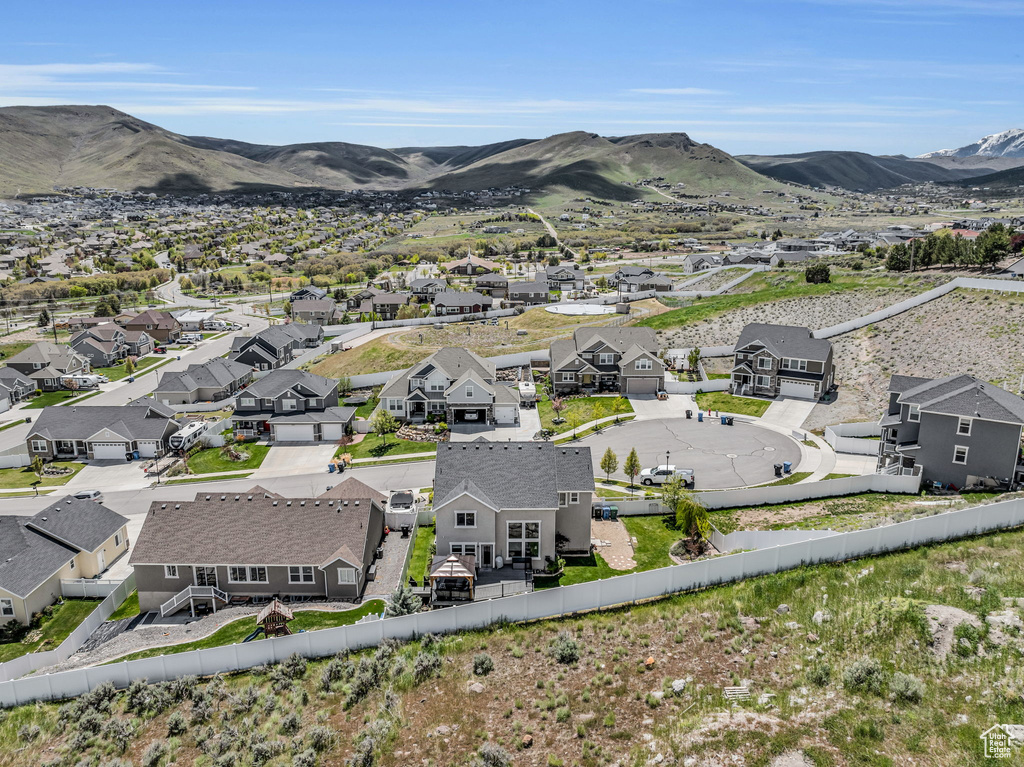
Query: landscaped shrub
x=864, y=675
x=564, y=649
x=907, y=688
x=493, y=755
x=483, y=664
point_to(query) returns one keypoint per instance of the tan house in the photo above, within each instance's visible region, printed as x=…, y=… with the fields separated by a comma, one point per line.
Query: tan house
x=70, y=539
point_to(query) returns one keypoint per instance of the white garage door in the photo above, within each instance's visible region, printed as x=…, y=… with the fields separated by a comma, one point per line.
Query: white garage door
x=294, y=432
x=147, y=449
x=641, y=385
x=108, y=450
x=331, y=431
x=798, y=389
x=505, y=413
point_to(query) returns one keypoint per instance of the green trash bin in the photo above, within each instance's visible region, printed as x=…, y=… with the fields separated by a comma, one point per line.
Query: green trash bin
x=615, y=512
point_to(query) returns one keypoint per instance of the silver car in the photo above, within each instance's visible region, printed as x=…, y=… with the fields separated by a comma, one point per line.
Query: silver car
x=659, y=475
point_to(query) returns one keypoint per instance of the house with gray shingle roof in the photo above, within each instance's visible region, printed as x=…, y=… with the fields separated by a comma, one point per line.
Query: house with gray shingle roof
x=454, y=385
x=292, y=406
x=781, y=360
x=261, y=546
x=956, y=431
x=460, y=302
x=102, y=432
x=607, y=359
x=103, y=345
x=520, y=502
x=16, y=385
x=69, y=539
x=47, y=364
x=210, y=381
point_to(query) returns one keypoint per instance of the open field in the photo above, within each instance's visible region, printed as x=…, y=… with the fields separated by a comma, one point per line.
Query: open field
x=907, y=613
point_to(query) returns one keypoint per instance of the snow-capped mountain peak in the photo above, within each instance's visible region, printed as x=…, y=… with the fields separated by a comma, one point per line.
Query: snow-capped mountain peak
x=1009, y=143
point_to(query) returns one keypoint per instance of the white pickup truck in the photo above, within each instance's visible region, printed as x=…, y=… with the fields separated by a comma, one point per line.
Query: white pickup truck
x=659, y=475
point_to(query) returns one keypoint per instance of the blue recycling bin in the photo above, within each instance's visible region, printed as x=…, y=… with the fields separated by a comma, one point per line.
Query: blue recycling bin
x=722, y=419
x=787, y=466
x=700, y=416
x=135, y=455
x=330, y=468
x=606, y=512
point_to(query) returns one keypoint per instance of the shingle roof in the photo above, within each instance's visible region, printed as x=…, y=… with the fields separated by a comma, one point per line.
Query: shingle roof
x=27, y=559
x=451, y=360
x=351, y=488
x=619, y=339
x=327, y=415
x=279, y=381
x=967, y=396
x=143, y=420
x=211, y=374
x=460, y=298
x=512, y=475
x=903, y=383
x=261, y=531
x=45, y=351
x=84, y=525
x=785, y=341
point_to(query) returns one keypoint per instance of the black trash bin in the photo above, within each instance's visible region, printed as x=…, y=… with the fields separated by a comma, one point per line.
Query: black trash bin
x=689, y=414
x=778, y=470
x=728, y=420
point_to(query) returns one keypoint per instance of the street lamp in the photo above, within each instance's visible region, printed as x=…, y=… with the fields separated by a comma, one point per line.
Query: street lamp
x=667, y=463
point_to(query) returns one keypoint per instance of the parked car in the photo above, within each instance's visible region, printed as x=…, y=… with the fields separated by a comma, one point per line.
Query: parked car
x=659, y=475
x=191, y=338
x=89, y=495
x=159, y=350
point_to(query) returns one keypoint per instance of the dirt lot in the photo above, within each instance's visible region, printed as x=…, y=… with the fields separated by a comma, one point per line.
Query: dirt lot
x=716, y=280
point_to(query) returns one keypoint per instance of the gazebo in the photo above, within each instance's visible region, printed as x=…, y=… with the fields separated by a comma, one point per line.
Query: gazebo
x=274, y=619
x=452, y=578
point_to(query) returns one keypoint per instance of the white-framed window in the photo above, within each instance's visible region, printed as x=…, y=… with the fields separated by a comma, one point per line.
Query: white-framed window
x=562, y=499
x=346, y=576
x=914, y=414
x=438, y=386
x=606, y=359
x=574, y=498
x=247, y=402
x=288, y=404
x=644, y=364
x=566, y=499
x=764, y=363
x=568, y=376
x=6, y=608
x=464, y=549
x=960, y=454
x=301, y=574
x=39, y=446
x=469, y=391
x=791, y=364
x=523, y=539
x=247, y=574
x=313, y=403
x=465, y=519
x=117, y=539
x=763, y=381
x=170, y=571
x=394, y=404
x=963, y=427
x=71, y=565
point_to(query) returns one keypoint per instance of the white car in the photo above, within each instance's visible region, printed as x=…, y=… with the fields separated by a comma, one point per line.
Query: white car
x=659, y=475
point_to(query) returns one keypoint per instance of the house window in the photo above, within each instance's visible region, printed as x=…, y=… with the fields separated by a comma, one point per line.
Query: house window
x=288, y=404
x=247, y=402
x=644, y=365
x=38, y=446
x=763, y=381
x=314, y=403
x=606, y=359
x=960, y=454
x=915, y=413
x=244, y=574
x=7, y=608
x=300, y=574
x=394, y=404
x=568, y=376
x=764, y=363
x=71, y=565
x=170, y=571
x=464, y=549
x=790, y=364
x=523, y=539
x=438, y=386
x=465, y=519
x=117, y=539
x=567, y=499
x=346, y=575
x=964, y=427
x=469, y=392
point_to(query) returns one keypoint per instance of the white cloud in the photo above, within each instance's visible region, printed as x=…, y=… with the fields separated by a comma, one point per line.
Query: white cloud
x=679, y=91
x=71, y=77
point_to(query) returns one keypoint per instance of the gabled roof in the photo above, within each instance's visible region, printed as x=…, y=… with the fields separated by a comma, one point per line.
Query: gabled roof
x=83, y=525
x=211, y=374
x=618, y=339
x=965, y=396
x=277, y=382
x=460, y=298
x=28, y=559
x=452, y=361
x=785, y=341
x=58, y=356
x=142, y=419
x=634, y=352
x=351, y=488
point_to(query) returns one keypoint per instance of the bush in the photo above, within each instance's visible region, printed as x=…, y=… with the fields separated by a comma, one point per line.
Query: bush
x=483, y=664
x=493, y=755
x=864, y=675
x=818, y=273
x=305, y=758
x=176, y=724
x=564, y=649
x=156, y=751
x=820, y=675
x=426, y=665
x=321, y=738
x=907, y=688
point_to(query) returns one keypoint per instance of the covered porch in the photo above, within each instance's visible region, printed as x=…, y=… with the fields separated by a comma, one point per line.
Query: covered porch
x=455, y=579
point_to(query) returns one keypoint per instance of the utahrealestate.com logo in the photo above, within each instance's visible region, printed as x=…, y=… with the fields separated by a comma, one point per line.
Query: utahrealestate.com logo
x=1002, y=740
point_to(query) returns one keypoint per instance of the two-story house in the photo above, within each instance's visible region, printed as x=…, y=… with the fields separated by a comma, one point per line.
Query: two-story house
x=509, y=502
x=309, y=292
x=103, y=345
x=607, y=359
x=314, y=311
x=953, y=430
x=261, y=546
x=529, y=293
x=782, y=361
x=565, y=277
x=292, y=406
x=47, y=364
x=275, y=346
x=454, y=385
x=424, y=288
x=16, y=385
x=493, y=285
x=209, y=381
x=161, y=326
x=457, y=302
x=471, y=264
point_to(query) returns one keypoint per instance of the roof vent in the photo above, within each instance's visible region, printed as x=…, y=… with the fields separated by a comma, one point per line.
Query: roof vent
x=237, y=497
x=275, y=502
x=289, y=503
x=163, y=505
x=330, y=503
x=356, y=503
x=302, y=503
x=249, y=498
x=177, y=506
x=317, y=503
x=344, y=503
x=223, y=497
x=207, y=497
x=43, y=519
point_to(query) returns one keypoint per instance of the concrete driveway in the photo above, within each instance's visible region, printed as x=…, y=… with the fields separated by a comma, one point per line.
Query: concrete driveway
x=789, y=413
x=529, y=424
x=296, y=458
x=102, y=475
x=648, y=406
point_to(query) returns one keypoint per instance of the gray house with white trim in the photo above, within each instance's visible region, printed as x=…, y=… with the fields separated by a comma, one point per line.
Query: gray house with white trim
x=781, y=361
x=102, y=432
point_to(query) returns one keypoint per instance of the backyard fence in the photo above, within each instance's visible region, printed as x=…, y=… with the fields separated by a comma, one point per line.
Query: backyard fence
x=536, y=605
x=850, y=438
x=26, y=664
x=87, y=588
x=749, y=540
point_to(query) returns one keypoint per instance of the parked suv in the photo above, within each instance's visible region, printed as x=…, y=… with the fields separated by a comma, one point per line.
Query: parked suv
x=659, y=475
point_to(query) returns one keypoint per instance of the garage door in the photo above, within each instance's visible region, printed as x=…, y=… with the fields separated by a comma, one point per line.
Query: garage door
x=332, y=431
x=800, y=389
x=108, y=450
x=147, y=449
x=642, y=385
x=470, y=416
x=505, y=414
x=294, y=432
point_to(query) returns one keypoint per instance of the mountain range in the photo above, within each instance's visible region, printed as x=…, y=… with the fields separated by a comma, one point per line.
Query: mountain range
x=98, y=146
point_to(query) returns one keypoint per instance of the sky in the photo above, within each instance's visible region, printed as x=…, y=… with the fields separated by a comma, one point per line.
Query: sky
x=879, y=76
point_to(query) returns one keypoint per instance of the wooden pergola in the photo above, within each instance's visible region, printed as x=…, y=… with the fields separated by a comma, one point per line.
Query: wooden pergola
x=453, y=573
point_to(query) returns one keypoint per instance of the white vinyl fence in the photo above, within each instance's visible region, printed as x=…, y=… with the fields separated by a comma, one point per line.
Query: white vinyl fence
x=692, y=387
x=87, y=588
x=536, y=605
x=854, y=438
x=747, y=540
x=26, y=664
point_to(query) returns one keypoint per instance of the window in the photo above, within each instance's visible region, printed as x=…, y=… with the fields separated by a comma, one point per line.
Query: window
x=38, y=446
x=469, y=392
x=568, y=376
x=643, y=364
x=313, y=403
x=915, y=413
x=464, y=549
x=566, y=499
x=300, y=574
x=117, y=539
x=7, y=608
x=763, y=381
x=244, y=574
x=606, y=359
x=960, y=454
x=764, y=363
x=523, y=539
x=438, y=386
x=964, y=427
x=247, y=402
x=394, y=404
x=71, y=565
x=465, y=519
x=346, y=575
x=170, y=571
x=790, y=364
x=288, y=404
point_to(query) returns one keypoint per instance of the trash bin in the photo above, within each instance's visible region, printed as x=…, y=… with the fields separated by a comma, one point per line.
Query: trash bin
x=778, y=470
x=606, y=512
x=135, y=455
x=723, y=419
x=330, y=468
x=689, y=414
x=728, y=420
x=615, y=512
x=787, y=466
x=700, y=416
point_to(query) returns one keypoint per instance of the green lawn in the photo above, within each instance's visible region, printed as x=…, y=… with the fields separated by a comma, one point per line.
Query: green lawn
x=365, y=410
x=237, y=630
x=129, y=608
x=117, y=372
x=211, y=461
x=12, y=424
x=420, y=560
x=53, y=398
x=11, y=478
x=792, y=479
x=206, y=478
x=15, y=347
x=726, y=403
x=373, y=446
x=55, y=629
x=585, y=409
x=837, y=476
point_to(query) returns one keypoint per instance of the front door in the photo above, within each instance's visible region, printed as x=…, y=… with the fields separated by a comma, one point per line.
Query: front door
x=206, y=576
x=486, y=555
x=101, y=561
